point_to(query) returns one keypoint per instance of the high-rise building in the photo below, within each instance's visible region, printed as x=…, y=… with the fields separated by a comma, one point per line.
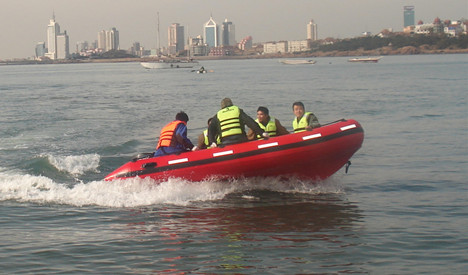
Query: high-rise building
x=210, y=30
x=408, y=16
x=53, y=29
x=63, y=46
x=57, y=43
x=176, y=38
x=228, y=35
x=108, y=40
x=40, y=49
x=102, y=40
x=312, y=31
x=112, y=39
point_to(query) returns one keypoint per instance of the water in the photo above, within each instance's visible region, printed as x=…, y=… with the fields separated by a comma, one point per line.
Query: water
x=401, y=209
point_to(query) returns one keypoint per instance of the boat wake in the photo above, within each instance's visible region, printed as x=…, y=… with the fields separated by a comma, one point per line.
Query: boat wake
x=136, y=192
x=75, y=165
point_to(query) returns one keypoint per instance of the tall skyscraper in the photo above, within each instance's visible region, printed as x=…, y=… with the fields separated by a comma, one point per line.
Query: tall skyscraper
x=102, y=40
x=408, y=16
x=211, y=33
x=175, y=38
x=108, y=40
x=63, y=46
x=112, y=39
x=228, y=34
x=312, y=31
x=53, y=29
x=57, y=43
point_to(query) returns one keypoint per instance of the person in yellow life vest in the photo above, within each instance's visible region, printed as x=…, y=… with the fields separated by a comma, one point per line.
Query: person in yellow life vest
x=268, y=123
x=173, y=138
x=203, y=142
x=229, y=125
x=304, y=121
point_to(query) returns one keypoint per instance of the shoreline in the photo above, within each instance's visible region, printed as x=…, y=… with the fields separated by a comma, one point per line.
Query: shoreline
x=386, y=51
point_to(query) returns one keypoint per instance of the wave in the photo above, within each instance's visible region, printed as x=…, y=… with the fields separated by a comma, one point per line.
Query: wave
x=75, y=165
x=62, y=167
x=144, y=192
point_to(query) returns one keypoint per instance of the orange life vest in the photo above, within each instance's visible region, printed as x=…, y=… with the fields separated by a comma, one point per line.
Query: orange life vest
x=167, y=133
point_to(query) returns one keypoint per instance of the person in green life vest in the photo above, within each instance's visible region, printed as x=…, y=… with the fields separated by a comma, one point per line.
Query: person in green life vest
x=268, y=123
x=229, y=125
x=304, y=121
x=203, y=142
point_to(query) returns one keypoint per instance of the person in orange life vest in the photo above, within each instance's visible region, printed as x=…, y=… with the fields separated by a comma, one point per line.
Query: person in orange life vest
x=173, y=138
x=304, y=121
x=229, y=125
x=270, y=124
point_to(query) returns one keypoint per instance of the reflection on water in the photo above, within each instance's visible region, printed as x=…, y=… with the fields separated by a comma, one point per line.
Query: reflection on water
x=235, y=232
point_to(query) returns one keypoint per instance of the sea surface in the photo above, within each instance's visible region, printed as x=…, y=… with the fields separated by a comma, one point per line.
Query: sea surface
x=402, y=208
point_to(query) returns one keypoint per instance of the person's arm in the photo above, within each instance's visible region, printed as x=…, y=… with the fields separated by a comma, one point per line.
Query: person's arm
x=251, y=135
x=280, y=129
x=201, y=141
x=251, y=123
x=181, y=136
x=312, y=121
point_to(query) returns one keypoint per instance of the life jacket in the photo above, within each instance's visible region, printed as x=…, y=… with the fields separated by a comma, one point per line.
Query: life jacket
x=205, y=134
x=301, y=126
x=270, y=128
x=229, y=120
x=167, y=133
x=207, y=142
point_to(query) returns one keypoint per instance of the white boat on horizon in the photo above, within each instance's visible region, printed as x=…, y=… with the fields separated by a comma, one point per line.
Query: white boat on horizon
x=297, y=61
x=365, y=59
x=169, y=64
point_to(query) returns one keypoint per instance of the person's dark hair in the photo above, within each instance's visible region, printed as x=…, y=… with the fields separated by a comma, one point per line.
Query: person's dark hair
x=298, y=103
x=263, y=110
x=182, y=116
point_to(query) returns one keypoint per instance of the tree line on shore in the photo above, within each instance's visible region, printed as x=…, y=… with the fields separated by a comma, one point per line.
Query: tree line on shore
x=434, y=42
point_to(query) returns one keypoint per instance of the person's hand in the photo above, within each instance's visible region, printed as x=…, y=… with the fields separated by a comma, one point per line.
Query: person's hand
x=266, y=135
x=195, y=148
x=213, y=145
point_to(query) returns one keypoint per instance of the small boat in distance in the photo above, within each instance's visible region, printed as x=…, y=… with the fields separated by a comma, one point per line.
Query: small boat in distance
x=165, y=62
x=365, y=59
x=169, y=64
x=297, y=61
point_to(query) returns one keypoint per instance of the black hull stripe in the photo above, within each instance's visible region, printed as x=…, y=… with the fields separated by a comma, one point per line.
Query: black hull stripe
x=239, y=155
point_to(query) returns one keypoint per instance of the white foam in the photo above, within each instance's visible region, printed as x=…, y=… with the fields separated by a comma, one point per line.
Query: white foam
x=139, y=192
x=75, y=165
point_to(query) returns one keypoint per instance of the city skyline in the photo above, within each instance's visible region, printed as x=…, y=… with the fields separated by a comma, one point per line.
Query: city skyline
x=264, y=20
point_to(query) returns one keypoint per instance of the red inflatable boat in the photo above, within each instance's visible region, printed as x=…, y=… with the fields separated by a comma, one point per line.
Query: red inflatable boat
x=315, y=155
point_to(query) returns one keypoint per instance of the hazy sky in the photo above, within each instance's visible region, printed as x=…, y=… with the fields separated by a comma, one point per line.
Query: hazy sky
x=23, y=23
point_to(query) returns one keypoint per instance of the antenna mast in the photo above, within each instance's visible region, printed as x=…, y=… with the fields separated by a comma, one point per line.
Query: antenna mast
x=159, y=39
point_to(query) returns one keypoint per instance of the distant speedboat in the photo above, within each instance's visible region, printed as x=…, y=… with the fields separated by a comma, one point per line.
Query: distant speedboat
x=169, y=64
x=365, y=59
x=297, y=61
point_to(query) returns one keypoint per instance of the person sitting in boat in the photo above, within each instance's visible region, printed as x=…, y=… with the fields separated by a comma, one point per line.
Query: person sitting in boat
x=229, y=124
x=203, y=142
x=201, y=70
x=304, y=121
x=173, y=138
x=268, y=123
